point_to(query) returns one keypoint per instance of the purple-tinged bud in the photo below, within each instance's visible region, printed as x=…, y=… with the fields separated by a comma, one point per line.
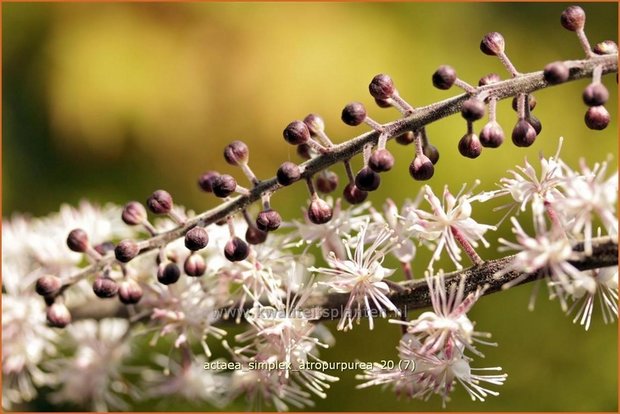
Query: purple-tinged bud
x=523, y=134
x=597, y=118
x=492, y=135
x=288, y=173
x=224, y=185
x=381, y=87
x=595, y=94
x=78, y=240
x=421, y=168
x=197, y=238
x=382, y=103
x=255, y=236
x=573, y=18
x=354, y=195
x=268, y=220
x=195, y=265
x=327, y=182
x=470, y=146
x=104, y=248
x=160, y=202
x=48, y=285
x=168, y=273
x=126, y=250
x=492, y=44
x=606, y=47
x=134, y=213
x=236, y=153
x=531, y=102
x=236, y=250
x=535, y=123
x=473, y=109
x=205, y=181
x=381, y=160
x=444, y=77
x=305, y=151
x=353, y=114
x=489, y=79
x=296, y=133
x=556, y=73
x=58, y=315
x=319, y=212
x=367, y=180
x=406, y=138
x=431, y=152
x=129, y=292
x=314, y=123
x=105, y=287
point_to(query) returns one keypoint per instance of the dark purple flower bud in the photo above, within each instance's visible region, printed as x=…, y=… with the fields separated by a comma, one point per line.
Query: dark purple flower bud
x=381, y=87
x=470, y=146
x=444, y=77
x=168, y=273
x=431, y=152
x=473, y=109
x=406, y=138
x=134, y=213
x=531, y=102
x=535, y=123
x=58, y=315
x=326, y=182
x=492, y=135
x=236, y=153
x=314, y=123
x=367, y=180
x=573, y=18
x=160, y=202
x=305, y=151
x=492, y=44
x=255, y=236
x=288, y=173
x=129, y=292
x=354, y=195
x=421, y=168
x=197, y=238
x=268, y=220
x=595, y=94
x=319, y=212
x=382, y=103
x=606, y=47
x=236, y=250
x=224, y=185
x=105, y=287
x=353, y=114
x=556, y=73
x=489, y=79
x=78, y=240
x=195, y=265
x=296, y=133
x=523, y=134
x=597, y=118
x=206, y=181
x=381, y=160
x=126, y=250
x=48, y=285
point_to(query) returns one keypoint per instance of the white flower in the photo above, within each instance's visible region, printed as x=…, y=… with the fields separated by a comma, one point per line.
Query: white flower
x=361, y=275
x=606, y=290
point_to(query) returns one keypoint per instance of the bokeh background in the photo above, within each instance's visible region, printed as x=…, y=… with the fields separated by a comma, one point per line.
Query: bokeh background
x=108, y=102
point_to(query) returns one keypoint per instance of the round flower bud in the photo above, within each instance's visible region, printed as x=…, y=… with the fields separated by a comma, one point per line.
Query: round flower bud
x=367, y=180
x=353, y=114
x=160, y=202
x=288, y=173
x=236, y=250
x=104, y=248
x=535, y=123
x=492, y=135
x=105, y=287
x=268, y=220
x=421, y=168
x=406, y=138
x=224, y=185
x=305, y=151
x=236, y=153
x=326, y=182
x=354, y=195
x=381, y=87
x=573, y=18
x=255, y=236
x=383, y=103
x=606, y=47
x=314, y=123
x=381, y=160
x=597, y=117
x=77, y=240
x=444, y=77
x=489, y=79
x=319, y=212
x=555, y=73
x=296, y=133
x=492, y=44
x=531, y=100
x=595, y=94
x=58, y=315
x=195, y=265
x=129, y=292
x=134, y=213
x=469, y=146
x=431, y=152
x=48, y=285
x=168, y=273
x=197, y=238
x=126, y=250
x=205, y=181
x=523, y=134
x=473, y=109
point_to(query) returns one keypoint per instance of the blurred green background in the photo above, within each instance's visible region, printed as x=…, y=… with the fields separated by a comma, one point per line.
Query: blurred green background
x=109, y=102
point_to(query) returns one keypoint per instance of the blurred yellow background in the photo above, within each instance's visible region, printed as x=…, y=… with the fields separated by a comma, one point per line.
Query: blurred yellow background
x=109, y=102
